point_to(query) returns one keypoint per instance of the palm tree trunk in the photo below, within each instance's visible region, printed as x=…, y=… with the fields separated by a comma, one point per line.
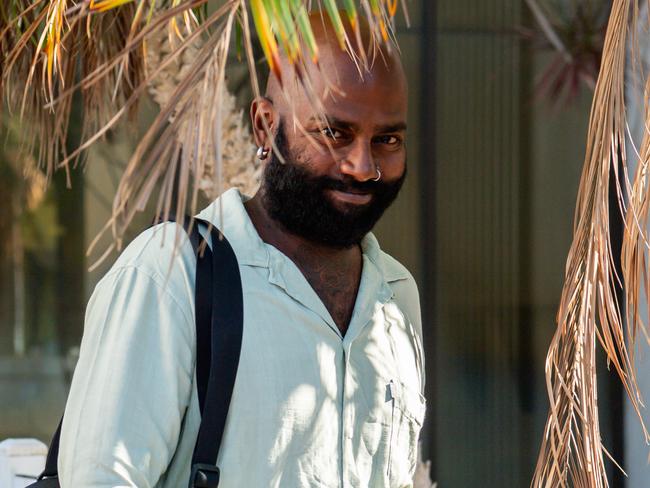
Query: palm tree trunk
x=19, y=281
x=71, y=262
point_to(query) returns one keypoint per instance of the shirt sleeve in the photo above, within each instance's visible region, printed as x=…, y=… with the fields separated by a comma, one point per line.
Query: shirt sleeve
x=131, y=386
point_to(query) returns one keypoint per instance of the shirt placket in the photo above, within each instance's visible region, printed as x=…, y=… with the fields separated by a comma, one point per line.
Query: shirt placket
x=373, y=293
x=347, y=420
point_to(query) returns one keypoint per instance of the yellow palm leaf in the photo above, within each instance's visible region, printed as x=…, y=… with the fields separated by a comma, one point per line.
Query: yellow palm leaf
x=267, y=38
x=51, y=38
x=105, y=5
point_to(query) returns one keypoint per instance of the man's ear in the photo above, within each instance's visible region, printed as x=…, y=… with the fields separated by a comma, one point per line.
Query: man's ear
x=263, y=119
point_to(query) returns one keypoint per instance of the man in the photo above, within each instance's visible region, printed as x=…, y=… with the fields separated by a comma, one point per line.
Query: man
x=328, y=390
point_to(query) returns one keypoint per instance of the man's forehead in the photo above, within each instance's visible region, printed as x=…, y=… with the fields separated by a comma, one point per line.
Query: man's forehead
x=337, y=69
x=381, y=100
x=395, y=123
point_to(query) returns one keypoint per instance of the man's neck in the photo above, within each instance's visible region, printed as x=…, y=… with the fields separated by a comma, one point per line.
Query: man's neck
x=333, y=273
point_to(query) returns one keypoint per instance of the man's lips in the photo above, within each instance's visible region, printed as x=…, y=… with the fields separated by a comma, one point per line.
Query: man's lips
x=351, y=196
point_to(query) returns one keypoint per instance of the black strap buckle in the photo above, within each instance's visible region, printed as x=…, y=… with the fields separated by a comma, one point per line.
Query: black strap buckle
x=204, y=476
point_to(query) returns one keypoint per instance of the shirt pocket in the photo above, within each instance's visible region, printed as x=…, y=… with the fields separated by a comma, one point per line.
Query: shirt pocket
x=407, y=414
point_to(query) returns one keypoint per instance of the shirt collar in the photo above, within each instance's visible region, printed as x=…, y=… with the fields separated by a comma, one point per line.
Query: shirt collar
x=389, y=267
x=228, y=214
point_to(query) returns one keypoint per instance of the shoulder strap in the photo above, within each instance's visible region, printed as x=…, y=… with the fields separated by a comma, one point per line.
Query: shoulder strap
x=51, y=469
x=222, y=339
x=202, y=310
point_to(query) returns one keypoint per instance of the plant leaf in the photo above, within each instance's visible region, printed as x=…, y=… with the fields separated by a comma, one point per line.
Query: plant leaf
x=337, y=22
x=267, y=38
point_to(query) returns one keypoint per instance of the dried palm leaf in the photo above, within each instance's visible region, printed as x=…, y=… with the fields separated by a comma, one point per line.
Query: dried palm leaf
x=572, y=453
x=54, y=49
x=240, y=167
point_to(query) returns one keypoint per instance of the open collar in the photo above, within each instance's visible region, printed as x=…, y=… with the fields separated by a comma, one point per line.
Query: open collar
x=229, y=215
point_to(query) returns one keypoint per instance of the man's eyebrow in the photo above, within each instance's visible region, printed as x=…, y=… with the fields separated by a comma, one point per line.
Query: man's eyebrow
x=398, y=127
x=336, y=122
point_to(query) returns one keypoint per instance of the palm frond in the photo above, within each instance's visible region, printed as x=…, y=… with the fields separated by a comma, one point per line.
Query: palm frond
x=54, y=49
x=572, y=453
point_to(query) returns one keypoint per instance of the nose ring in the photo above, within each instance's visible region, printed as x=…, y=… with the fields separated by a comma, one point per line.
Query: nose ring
x=378, y=173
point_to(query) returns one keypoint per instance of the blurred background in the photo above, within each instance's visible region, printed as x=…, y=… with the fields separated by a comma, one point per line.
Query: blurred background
x=497, y=124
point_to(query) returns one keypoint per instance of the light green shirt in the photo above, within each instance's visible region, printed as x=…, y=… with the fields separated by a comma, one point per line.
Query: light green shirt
x=310, y=408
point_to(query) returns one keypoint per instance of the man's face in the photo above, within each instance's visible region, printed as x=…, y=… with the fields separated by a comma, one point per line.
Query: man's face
x=325, y=191
x=301, y=200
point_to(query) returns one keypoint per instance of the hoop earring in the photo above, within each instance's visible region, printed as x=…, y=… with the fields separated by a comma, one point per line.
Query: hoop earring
x=262, y=153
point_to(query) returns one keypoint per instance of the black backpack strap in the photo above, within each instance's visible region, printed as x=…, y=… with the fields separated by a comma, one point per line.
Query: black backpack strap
x=202, y=308
x=51, y=469
x=225, y=341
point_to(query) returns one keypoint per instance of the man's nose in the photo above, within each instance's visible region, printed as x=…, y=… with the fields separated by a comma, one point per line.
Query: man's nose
x=359, y=162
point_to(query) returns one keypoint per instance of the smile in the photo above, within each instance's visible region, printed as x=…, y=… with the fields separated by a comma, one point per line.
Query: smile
x=349, y=197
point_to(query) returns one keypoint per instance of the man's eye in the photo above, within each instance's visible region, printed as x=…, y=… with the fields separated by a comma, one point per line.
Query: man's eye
x=389, y=140
x=331, y=133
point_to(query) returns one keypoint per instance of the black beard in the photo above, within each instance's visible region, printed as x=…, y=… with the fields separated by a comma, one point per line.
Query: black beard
x=297, y=199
